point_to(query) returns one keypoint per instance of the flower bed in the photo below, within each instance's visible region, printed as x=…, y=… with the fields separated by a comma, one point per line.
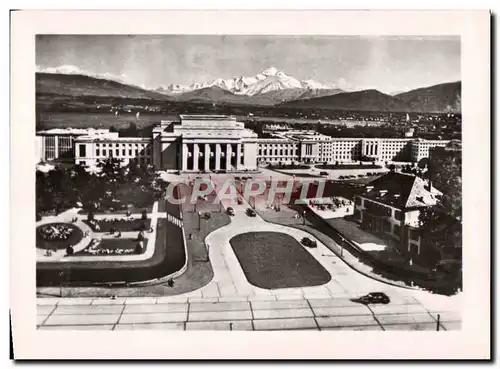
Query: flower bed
x=118, y=225
x=57, y=236
x=124, y=246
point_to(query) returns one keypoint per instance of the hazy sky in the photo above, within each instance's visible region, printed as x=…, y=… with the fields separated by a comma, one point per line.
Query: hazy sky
x=387, y=64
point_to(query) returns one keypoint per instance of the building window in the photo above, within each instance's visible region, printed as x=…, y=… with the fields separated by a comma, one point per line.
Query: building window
x=377, y=209
x=413, y=234
x=130, y=152
x=123, y=152
x=97, y=152
x=397, y=215
x=83, y=150
x=104, y=152
x=117, y=152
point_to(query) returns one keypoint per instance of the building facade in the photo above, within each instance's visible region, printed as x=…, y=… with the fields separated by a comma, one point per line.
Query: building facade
x=59, y=143
x=392, y=204
x=91, y=149
x=204, y=143
x=214, y=143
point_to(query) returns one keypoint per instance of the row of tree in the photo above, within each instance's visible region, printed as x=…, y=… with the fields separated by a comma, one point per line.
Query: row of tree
x=60, y=189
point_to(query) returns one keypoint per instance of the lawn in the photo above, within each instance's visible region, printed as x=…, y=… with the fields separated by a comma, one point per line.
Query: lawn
x=75, y=237
x=288, y=166
x=118, y=246
x=276, y=260
x=348, y=166
x=120, y=225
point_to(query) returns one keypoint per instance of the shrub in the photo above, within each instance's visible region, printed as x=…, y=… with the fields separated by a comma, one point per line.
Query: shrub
x=69, y=250
x=144, y=214
x=144, y=226
x=140, y=236
x=90, y=216
x=138, y=248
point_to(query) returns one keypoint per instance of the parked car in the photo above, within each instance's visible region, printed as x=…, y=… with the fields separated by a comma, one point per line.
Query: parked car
x=206, y=215
x=251, y=212
x=307, y=242
x=323, y=173
x=374, y=298
x=230, y=211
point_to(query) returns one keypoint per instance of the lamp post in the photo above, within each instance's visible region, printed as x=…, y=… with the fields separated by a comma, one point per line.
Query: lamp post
x=199, y=221
x=341, y=246
x=304, y=217
x=61, y=274
x=208, y=253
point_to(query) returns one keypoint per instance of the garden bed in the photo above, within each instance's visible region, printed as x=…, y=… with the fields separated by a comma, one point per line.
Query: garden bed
x=119, y=246
x=119, y=225
x=75, y=235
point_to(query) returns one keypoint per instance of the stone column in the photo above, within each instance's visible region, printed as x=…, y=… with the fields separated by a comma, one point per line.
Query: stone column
x=238, y=156
x=196, y=156
x=207, y=157
x=228, y=157
x=217, y=156
x=184, y=156
x=56, y=147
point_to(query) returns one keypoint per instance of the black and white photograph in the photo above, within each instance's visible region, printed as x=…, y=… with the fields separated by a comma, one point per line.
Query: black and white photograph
x=249, y=182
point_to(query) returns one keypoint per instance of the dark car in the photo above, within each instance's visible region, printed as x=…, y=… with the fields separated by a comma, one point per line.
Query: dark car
x=251, y=212
x=230, y=211
x=374, y=298
x=323, y=173
x=307, y=242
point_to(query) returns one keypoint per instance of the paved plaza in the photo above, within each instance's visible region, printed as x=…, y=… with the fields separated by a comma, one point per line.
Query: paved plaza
x=230, y=302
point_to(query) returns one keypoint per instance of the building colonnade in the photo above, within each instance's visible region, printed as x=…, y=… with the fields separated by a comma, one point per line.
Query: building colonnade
x=212, y=156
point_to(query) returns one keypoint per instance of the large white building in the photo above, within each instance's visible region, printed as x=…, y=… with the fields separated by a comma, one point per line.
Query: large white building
x=59, y=143
x=196, y=143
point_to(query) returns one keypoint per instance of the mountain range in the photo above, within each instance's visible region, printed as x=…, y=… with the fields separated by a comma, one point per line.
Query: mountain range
x=271, y=87
x=271, y=79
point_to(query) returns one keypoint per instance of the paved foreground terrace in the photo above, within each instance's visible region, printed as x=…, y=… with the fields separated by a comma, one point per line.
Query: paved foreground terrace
x=272, y=312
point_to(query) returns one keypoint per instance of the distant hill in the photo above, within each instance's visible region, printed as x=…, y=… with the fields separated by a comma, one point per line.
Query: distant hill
x=368, y=100
x=74, y=85
x=445, y=97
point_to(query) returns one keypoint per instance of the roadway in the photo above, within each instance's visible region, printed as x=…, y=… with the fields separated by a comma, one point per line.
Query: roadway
x=230, y=302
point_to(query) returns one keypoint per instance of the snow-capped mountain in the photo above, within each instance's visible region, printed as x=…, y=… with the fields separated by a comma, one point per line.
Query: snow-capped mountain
x=271, y=79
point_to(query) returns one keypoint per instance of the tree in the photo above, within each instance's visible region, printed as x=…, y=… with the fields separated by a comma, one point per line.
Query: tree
x=440, y=230
x=423, y=163
x=113, y=129
x=392, y=167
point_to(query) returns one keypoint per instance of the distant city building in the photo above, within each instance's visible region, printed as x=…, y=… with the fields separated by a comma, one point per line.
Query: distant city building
x=220, y=143
x=410, y=132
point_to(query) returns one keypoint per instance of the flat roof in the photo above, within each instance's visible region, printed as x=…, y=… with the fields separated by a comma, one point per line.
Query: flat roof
x=206, y=117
